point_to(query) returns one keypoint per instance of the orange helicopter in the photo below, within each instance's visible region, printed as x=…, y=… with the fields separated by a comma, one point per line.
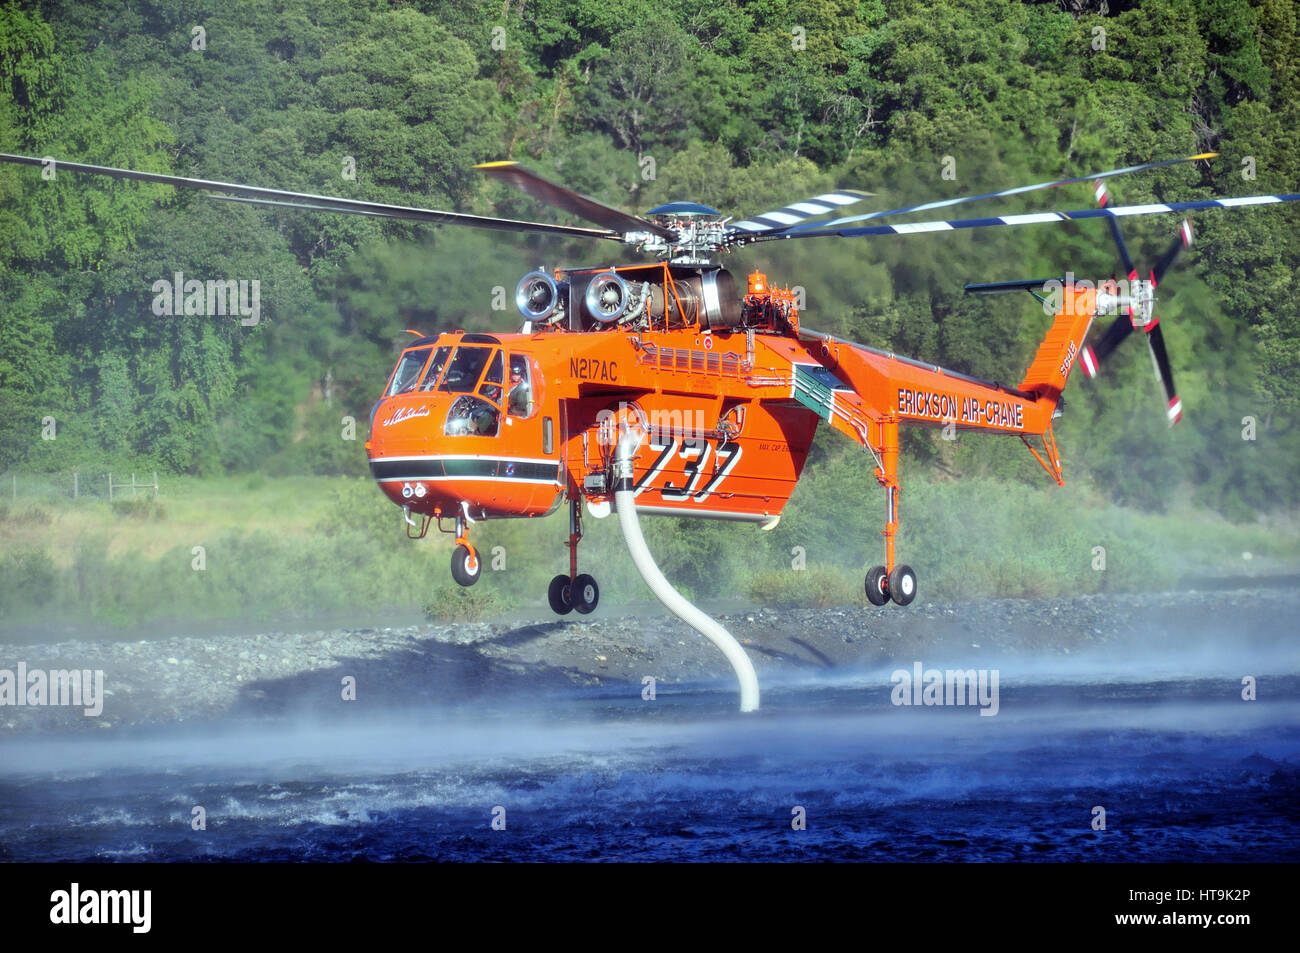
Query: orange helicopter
x=719, y=389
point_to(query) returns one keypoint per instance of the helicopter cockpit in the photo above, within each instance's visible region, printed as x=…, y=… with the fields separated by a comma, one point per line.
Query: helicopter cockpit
x=474, y=374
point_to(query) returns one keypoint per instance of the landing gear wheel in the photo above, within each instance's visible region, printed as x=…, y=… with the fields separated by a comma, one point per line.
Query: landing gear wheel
x=585, y=593
x=560, y=595
x=902, y=585
x=466, y=567
x=877, y=593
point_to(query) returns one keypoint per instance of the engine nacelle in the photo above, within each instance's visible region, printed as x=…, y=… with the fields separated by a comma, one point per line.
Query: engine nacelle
x=607, y=297
x=675, y=296
x=537, y=295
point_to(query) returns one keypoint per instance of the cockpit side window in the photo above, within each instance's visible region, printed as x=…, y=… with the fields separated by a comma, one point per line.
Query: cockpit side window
x=471, y=416
x=519, y=400
x=464, y=370
x=408, y=371
x=435, y=368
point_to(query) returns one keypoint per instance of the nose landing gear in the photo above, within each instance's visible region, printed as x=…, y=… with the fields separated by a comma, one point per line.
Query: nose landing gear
x=466, y=564
x=466, y=567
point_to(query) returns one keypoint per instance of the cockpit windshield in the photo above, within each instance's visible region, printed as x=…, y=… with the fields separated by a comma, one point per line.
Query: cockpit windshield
x=435, y=368
x=464, y=370
x=408, y=371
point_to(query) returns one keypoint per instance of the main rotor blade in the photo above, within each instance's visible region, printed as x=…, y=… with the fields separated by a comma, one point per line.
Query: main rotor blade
x=323, y=203
x=1018, y=190
x=1156, y=341
x=1033, y=218
x=512, y=173
x=801, y=211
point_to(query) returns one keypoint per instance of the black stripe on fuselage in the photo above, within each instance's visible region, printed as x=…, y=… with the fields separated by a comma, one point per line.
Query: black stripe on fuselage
x=435, y=468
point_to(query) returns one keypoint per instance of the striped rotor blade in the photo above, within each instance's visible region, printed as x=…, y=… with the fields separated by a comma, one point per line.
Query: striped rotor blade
x=1018, y=190
x=1034, y=218
x=800, y=211
x=321, y=203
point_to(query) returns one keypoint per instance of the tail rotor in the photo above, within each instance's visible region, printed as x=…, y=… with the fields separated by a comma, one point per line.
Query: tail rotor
x=1140, y=315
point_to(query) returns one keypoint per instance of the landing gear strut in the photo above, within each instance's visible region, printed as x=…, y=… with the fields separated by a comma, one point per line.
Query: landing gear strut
x=466, y=566
x=890, y=581
x=574, y=591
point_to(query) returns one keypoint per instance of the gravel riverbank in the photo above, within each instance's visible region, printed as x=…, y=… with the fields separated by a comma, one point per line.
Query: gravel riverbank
x=183, y=678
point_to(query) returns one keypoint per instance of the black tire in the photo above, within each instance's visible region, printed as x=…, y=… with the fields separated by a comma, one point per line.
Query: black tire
x=877, y=593
x=560, y=595
x=902, y=585
x=586, y=594
x=466, y=567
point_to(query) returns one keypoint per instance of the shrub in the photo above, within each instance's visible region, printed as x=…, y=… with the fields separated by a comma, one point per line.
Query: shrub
x=27, y=578
x=458, y=604
x=818, y=587
x=34, y=516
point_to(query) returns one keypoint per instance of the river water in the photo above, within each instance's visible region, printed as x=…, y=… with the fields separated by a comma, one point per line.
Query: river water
x=1182, y=766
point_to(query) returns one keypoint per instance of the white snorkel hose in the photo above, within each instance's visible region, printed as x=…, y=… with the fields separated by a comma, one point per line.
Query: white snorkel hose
x=624, y=501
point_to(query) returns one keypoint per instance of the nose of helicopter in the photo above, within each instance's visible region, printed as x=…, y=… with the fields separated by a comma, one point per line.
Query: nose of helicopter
x=402, y=450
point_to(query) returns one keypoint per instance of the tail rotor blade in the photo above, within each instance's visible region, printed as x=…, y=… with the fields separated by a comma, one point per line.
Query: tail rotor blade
x=1103, y=196
x=1123, y=248
x=1090, y=358
x=1184, y=240
x=1156, y=341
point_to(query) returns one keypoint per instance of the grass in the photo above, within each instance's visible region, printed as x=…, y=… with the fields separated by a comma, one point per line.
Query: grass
x=189, y=509
x=242, y=548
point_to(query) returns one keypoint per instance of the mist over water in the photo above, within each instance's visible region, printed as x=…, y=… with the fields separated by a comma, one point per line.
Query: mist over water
x=1183, y=767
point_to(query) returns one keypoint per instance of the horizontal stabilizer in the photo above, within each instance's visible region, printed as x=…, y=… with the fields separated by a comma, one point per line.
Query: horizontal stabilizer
x=1002, y=287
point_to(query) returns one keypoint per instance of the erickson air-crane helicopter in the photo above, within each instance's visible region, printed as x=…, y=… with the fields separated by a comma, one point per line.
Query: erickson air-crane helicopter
x=665, y=388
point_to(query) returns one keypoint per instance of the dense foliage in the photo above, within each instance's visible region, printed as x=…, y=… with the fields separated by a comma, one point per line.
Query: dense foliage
x=742, y=105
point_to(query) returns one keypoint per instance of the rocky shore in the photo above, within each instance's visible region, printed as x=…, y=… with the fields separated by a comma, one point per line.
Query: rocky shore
x=194, y=678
